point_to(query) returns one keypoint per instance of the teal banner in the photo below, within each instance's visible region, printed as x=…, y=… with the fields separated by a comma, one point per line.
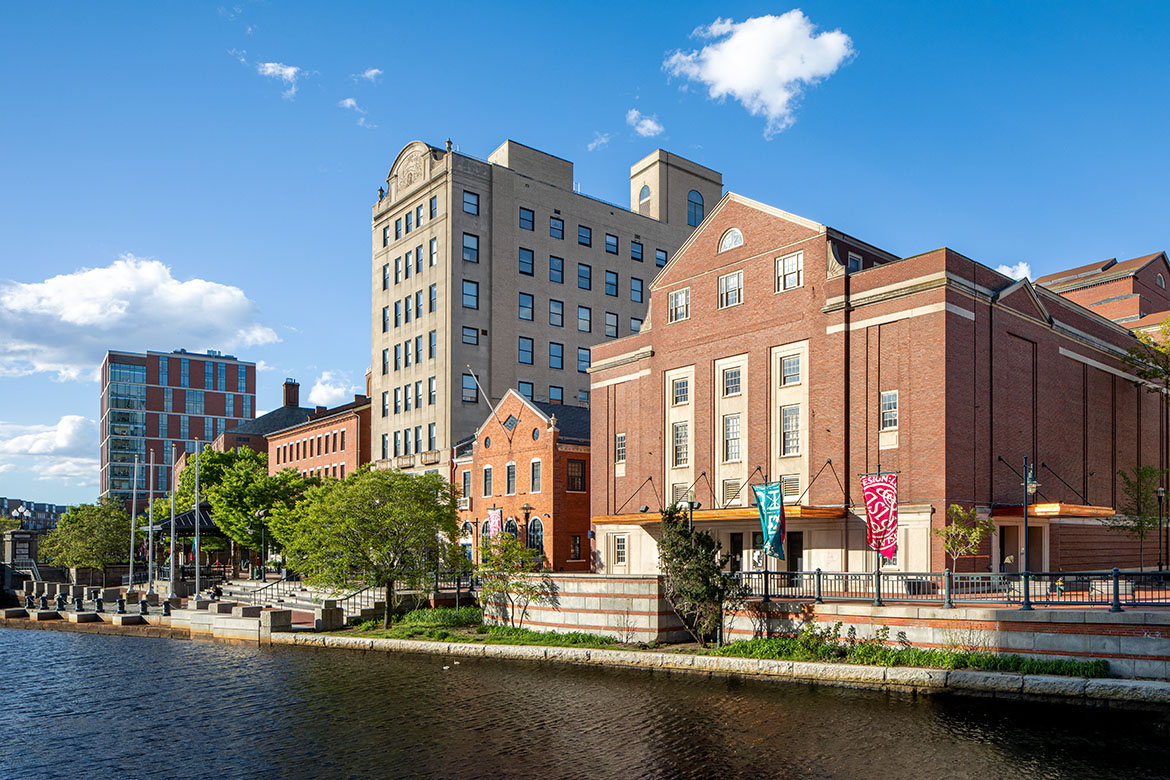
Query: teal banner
x=770, y=501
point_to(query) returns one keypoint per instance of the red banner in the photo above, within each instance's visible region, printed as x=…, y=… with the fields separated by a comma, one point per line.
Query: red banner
x=495, y=521
x=881, y=512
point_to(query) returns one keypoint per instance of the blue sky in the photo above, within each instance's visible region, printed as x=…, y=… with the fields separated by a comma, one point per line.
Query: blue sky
x=203, y=163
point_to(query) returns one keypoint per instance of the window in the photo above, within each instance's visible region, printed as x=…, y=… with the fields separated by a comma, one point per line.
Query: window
x=659, y=257
x=525, y=350
x=556, y=269
x=229, y=404
x=470, y=390
x=407, y=266
x=635, y=326
x=644, y=199
x=434, y=251
x=397, y=400
x=584, y=276
x=790, y=430
x=386, y=445
x=575, y=549
x=432, y=298
x=471, y=336
x=527, y=219
x=406, y=397
x=407, y=308
x=556, y=313
x=536, y=534
x=470, y=202
x=194, y=402
x=611, y=243
x=1161, y=282
x=398, y=228
x=409, y=222
x=397, y=270
x=584, y=235
x=680, y=391
x=679, y=444
x=790, y=272
x=386, y=361
x=487, y=481
x=432, y=345
x=854, y=263
x=679, y=305
x=635, y=289
x=386, y=316
x=406, y=353
x=431, y=436
x=466, y=483
x=525, y=306
x=471, y=247
x=418, y=438
x=386, y=236
x=556, y=227
x=534, y=477
x=731, y=437
x=584, y=319
x=731, y=290
x=525, y=389
x=527, y=267
x=790, y=370
x=575, y=475
x=611, y=324
x=169, y=399
x=636, y=251
x=510, y=479
x=418, y=215
x=619, y=448
x=385, y=277
x=418, y=394
x=385, y=403
x=731, y=381
x=583, y=359
x=556, y=395
x=431, y=391
x=470, y=294
x=418, y=259
x=556, y=355
x=434, y=206
x=611, y=283
x=583, y=398
x=511, y=529
x=694, y=208
x=889, y=409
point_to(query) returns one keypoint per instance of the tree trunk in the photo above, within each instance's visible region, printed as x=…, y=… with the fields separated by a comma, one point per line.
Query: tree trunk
x=388, y=609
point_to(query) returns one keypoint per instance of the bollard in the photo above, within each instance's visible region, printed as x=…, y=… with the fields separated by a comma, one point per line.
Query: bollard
x=143, y=607
x=1116, y=607
x=98, y=603
x=167, y=608
x=44, y=603
x=819, y=600
x=121, y=605
x=947, y=584
x=29, y=604
x=78, y=605
x=60, y=602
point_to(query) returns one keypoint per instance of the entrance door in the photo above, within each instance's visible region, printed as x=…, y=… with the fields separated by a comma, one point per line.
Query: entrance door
x=735, y=548
x=794, y=555
x=1036, y=547
x=1009, y=548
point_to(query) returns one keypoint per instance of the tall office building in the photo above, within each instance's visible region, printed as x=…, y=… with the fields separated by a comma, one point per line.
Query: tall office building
x=501, y=268
x=152, y=399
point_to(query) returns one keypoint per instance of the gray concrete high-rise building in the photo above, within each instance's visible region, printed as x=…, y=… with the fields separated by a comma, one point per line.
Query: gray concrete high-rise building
x=503, y=268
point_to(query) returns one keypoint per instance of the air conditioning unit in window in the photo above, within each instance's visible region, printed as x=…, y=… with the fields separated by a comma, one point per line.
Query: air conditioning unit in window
x=681, y=496
x=790, y=487
x=465, y=502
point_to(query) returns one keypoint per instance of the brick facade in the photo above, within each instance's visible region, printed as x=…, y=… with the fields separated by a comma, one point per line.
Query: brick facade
x=331, y=443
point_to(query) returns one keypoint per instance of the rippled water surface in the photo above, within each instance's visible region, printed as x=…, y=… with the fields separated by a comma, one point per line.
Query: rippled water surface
x=88, y=705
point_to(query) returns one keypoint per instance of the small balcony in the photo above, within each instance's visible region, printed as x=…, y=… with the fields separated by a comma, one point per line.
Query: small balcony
x=404, y=461
x=429, y=458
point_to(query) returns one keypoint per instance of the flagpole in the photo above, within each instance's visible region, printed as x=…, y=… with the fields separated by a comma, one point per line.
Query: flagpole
x=172, y=519
x=197, y=551
x=133, y=512
x=150, y=531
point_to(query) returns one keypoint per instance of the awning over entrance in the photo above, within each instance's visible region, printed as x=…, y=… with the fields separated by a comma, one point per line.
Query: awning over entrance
x=1053, y=509
x=727, y=515
x=185, y=522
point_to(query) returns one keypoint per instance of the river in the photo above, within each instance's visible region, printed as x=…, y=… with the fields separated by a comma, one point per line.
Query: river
x=89, y=705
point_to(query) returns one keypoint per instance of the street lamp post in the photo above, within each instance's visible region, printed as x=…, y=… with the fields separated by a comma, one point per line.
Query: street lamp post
x=1030, y=485
x=150, y=530
x=133, y=518
x=197, y=523
x=21, y=515
x=260, y=515
x=527, y=509
x=172, y=519
x=691, y=507
x=1161, y=493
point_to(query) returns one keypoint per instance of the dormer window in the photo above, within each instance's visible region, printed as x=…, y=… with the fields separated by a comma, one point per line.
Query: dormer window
x=731, y=239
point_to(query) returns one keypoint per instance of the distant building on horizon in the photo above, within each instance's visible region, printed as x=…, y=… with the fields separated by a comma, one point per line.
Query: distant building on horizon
x=150, y=400
x=39, y=517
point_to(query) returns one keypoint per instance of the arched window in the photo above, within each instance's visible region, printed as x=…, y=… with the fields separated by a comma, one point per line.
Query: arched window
x=644, y=200
x=467, y=531
x=535, y=534
x=485, y=531
x=694, y=208
x=1161, y=282
x=731, y=239
x=511, y=528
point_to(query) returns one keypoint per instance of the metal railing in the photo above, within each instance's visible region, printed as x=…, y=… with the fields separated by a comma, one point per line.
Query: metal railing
x=274, y=590
x=1115, y=589
x=29, y=565
x=367, y=597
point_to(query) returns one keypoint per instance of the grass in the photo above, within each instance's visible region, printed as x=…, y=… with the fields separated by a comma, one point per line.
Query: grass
x=444, y=624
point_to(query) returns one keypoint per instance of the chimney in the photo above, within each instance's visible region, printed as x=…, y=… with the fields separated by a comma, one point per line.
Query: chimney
x=292, y=392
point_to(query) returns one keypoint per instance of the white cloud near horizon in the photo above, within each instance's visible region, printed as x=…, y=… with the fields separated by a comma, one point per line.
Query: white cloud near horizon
x=600, y=141
x=1021, y=270
x=764, y=62
x=332, y=388
x=82, y=472
x=65, y=324
x=644, y=125
x=65, y=450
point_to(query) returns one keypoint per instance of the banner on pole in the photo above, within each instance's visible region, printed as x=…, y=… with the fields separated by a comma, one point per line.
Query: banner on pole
x=495, y=521
x=770, y=502
x=881, y=512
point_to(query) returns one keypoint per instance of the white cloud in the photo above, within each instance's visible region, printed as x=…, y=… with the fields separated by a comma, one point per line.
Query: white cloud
x=1021, y=270
x=600, y=141
x=72, y=435
x=352, y=104
x=331, y=389
x=6, y=467
x=764, y=62
x=65, y=324
x=82, y=472
x=369, y=74
x=644, y=125
x=286, y=73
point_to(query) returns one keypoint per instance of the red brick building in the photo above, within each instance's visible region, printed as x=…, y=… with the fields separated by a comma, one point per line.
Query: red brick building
x=776, y=344
x=330, y=443
x=531, y=460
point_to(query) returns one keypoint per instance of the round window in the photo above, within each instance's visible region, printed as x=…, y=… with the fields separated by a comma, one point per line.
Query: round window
x=487, y=442
x=535, y=434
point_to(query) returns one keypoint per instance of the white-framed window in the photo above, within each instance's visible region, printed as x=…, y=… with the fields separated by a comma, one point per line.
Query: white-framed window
x=680, y=444
x=731, y=239
x=731, y=449
x=1161, y=281
x=680, y=391
x=487, y=481
x=731, y=290
x=510, y=479
x=889, y=410
x=789, y=271
x=790, y=430
x=790, y=370
x=619, y=550
x=619, y=448
x=680, y=305
x=534, y=476
x=854, y=263
x=731, y=381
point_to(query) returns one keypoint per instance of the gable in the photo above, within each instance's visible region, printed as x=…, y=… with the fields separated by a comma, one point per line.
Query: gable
x=1021, y=297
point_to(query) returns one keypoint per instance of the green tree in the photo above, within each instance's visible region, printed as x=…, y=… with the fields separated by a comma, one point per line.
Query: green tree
x=243, y=490
x=382, y=528
x=1149, y=359
x=696, y=585
x=509, y=578
x=964, y=532
x=1138, y=513
x=94, y=535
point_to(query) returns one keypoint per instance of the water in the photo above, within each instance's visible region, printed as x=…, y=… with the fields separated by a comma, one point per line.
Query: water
x=87, y=705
